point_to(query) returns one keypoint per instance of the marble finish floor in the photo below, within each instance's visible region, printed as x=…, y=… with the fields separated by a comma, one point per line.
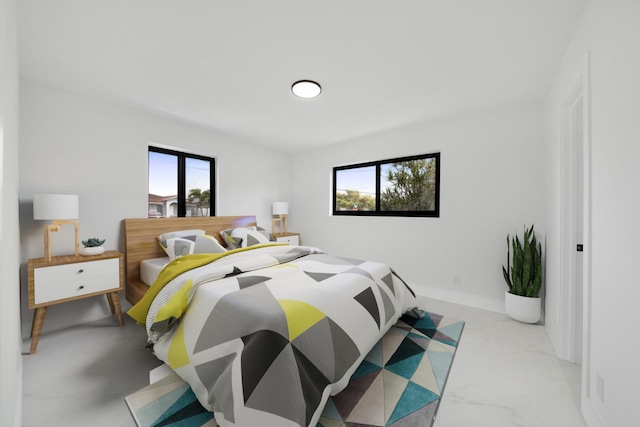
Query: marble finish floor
x=504, y=375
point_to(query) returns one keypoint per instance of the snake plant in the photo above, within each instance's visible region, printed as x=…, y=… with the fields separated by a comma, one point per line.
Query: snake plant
x=92, y=242
x=523, y=273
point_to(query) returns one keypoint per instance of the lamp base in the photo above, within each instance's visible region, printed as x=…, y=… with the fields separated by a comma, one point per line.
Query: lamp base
x=57, y=224
x=280, y=221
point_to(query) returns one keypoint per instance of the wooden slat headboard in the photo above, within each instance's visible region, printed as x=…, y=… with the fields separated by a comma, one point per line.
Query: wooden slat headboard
x=141, y=241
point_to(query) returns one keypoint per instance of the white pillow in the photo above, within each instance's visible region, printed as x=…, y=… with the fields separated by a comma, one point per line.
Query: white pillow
x=180, y=233
x=241, y=237
x=191, y=244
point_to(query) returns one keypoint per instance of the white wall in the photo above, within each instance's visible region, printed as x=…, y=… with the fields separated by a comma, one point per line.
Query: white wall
x=491, y=184
x=10, y=343
x=610, y=31
x=98, y=150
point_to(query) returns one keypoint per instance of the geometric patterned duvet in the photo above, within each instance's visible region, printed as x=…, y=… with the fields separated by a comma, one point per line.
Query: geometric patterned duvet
x=265, y=335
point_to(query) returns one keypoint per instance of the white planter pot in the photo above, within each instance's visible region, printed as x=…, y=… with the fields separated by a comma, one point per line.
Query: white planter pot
x=522, y=309
x=95, y=250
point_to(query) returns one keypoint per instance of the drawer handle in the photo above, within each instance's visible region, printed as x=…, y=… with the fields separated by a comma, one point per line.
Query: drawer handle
x=80, y=271
x=81, y=287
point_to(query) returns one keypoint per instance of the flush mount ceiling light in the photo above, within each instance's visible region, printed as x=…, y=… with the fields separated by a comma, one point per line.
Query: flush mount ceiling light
x=306, y=89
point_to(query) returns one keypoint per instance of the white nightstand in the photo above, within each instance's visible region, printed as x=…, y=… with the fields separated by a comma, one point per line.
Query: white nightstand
x=69, y=278
x=292, y=239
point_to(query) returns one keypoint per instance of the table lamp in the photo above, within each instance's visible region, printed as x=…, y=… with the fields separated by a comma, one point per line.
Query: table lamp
x=280, y=212
x=61, y=209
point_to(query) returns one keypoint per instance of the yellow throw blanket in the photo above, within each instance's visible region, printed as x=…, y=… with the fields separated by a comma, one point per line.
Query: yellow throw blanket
x=175, y=268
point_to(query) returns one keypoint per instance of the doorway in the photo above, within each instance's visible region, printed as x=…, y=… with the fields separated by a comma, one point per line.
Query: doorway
x=575, y=239
x=575, y=293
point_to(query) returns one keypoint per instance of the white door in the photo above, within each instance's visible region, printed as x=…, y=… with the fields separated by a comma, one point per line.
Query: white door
x=577, y=143
x=575, y=219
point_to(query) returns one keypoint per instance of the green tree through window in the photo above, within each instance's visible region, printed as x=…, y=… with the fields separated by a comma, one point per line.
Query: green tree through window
x=411, y=186
x=200, y=199
x=353, y=200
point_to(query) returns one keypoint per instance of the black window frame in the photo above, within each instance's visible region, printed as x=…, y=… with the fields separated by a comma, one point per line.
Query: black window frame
x=182, y=184
x=435, y=213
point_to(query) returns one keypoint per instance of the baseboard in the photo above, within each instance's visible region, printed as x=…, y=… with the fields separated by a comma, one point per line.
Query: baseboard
x=458, y=297
x=589, y=414
x=554, y=337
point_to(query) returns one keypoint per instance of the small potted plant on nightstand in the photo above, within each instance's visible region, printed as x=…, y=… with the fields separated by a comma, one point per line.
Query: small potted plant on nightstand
x=523, y=275
x=92, y=246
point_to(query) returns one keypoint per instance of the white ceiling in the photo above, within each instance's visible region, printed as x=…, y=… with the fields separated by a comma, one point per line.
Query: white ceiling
x=228, y=65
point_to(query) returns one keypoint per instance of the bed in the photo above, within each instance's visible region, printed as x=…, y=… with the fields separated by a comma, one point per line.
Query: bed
x=264, y=334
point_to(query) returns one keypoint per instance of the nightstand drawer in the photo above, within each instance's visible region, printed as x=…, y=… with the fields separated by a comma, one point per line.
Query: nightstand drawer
x=72, y=280
x=293, y=240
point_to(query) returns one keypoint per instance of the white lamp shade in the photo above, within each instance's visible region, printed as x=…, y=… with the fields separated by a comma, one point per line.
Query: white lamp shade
x=55, y=206
x=280, y=208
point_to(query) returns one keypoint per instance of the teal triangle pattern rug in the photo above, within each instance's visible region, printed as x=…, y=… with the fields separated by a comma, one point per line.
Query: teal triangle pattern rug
x=398, y=384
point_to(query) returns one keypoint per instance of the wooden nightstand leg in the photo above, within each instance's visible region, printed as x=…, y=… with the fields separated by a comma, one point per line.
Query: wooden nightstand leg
x=36, y=327
x=110, y=301
x=114, y=304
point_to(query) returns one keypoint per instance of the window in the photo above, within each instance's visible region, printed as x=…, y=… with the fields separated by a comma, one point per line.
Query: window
x=180, y=184
x=407, y=186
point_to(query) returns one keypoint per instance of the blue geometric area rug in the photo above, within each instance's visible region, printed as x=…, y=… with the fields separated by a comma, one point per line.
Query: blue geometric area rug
x=398, y=384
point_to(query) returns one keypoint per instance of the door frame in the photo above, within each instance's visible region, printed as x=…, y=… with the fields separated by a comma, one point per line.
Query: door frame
x=569, y=333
